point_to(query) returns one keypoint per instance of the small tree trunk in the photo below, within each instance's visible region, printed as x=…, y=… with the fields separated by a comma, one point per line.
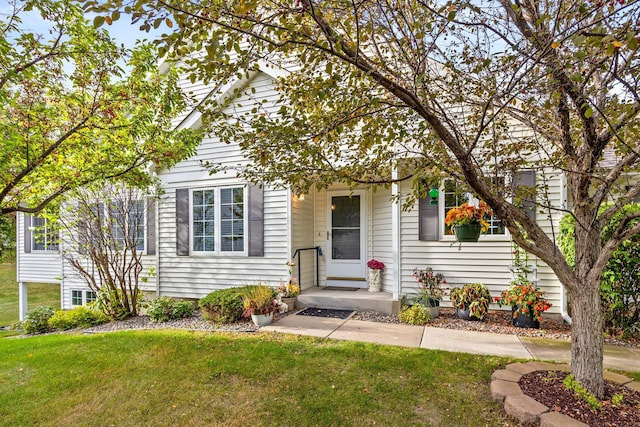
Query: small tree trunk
x=587, y=341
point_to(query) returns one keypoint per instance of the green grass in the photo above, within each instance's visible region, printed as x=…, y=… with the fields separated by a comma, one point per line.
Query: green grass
x=37, y=294
x=176, y=378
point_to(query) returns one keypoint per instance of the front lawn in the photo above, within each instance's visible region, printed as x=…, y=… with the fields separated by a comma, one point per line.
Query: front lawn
x=178, y=378
x=37, y=294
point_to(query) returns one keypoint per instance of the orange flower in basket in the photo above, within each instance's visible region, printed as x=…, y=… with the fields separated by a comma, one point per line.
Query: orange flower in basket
x=469, y=214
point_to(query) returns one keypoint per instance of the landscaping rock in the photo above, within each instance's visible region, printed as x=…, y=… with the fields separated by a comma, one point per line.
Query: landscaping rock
x=505, y=375
x=556, y=419
x=616, y=378
x=501, y=389
x=524, y=408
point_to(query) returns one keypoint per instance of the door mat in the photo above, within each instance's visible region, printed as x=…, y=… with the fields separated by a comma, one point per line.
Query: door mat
x=325, y=312
x=339, y=288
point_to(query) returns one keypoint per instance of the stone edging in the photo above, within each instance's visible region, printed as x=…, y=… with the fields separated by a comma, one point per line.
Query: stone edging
x=505, y=389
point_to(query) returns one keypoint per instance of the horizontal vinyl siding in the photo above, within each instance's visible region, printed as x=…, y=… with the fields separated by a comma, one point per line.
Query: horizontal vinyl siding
x=486, y=261
x=302, y=236
x=321, y=230
x=73, y=279
x=37, y=266
x=380, y=234
x=196, y=275
x=212, y=150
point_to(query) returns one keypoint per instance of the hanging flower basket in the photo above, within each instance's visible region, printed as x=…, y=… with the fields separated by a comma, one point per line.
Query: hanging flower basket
x=467, y=232
x=468, y=221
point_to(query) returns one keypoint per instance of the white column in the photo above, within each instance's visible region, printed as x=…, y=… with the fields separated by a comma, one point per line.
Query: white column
x=22, y=299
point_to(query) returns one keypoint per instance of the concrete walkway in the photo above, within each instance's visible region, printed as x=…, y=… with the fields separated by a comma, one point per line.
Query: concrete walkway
x=616, y=357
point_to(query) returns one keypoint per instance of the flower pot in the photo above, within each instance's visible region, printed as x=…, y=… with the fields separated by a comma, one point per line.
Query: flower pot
x=465, y=314
x=290, y=301
x=524, y=320
x=262, y=319
x=375, y=280
x=467, y=232
x=434, y=308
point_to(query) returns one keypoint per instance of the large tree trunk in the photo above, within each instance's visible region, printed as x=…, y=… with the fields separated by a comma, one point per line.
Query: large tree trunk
x=587, y=340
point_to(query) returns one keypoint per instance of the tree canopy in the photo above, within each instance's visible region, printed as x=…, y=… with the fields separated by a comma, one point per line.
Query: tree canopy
x=79, y=109
x=377, y=91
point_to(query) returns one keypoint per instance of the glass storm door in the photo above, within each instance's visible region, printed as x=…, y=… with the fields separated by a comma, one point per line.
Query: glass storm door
x=346, y=239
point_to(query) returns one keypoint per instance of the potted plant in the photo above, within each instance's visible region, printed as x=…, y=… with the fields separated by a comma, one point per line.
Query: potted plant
x=258, y=301
x=471, y=301
x=527, y=304
x=468, y=221
x=289, y=292
x=431, y=290
x=375, y=276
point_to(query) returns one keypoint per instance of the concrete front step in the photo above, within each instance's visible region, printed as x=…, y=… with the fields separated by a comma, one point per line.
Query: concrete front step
x=360, y=300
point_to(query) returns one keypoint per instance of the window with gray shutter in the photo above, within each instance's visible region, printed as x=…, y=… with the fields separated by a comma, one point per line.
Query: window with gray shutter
x=428, y=220
x=151, y=226
x=27, y=233
x=256, y=220
x=182, y=221
x=524, y=182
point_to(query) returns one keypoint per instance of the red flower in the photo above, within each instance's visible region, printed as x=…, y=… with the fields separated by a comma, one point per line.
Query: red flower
x=375, y=264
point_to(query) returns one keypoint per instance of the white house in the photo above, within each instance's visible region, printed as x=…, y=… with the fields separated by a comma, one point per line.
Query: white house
x=209, y=232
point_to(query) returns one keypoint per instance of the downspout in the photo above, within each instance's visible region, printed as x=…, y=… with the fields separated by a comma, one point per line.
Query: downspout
x=395, y=235
x=154, y=174
x=157, y=243
x=563, y=292
x=289, y=249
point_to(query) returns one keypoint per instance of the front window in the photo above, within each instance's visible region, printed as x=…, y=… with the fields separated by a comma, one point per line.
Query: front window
x=82, y=297
x=204, y=218
x=232, y=219
x=44, y=235
x=76, y=297
x=90, y=296
x=456, y=193
x=130, y=220
x=218, y=220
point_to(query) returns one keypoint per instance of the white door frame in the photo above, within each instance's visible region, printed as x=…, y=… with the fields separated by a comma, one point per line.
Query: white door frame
x=348, y=273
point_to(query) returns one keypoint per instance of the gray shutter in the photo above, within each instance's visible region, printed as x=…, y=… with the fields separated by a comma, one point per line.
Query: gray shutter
x=428, y=220
x=151, y=226
x=256, y=220
x=526, y=178
x=182, y=221
x=27, y=233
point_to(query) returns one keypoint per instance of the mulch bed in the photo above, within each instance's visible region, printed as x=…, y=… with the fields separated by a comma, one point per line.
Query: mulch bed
x=547, y=388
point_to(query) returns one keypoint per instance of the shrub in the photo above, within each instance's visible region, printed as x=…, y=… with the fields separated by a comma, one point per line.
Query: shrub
x=620, y=281
x=36, y=320
x=472, y=296
x=415, y=315
x=163, y=309
x=79, y=317
x=223, y=306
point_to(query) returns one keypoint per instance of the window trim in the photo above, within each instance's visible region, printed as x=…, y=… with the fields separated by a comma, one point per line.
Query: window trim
x=83, y=293
x=451, y=237
x=108, y=213
x=46, y=232
x=217, y=222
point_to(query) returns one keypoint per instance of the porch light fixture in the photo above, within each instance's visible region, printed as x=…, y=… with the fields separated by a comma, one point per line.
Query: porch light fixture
x=433, y=194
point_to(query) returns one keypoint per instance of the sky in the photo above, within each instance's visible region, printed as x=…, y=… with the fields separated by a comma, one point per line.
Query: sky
x=122, y=30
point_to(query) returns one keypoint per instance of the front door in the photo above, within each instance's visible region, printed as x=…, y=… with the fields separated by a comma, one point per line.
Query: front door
x=346, y=239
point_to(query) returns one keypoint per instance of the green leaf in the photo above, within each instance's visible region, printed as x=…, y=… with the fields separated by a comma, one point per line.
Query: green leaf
x=98, y=21
x=588, y=112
